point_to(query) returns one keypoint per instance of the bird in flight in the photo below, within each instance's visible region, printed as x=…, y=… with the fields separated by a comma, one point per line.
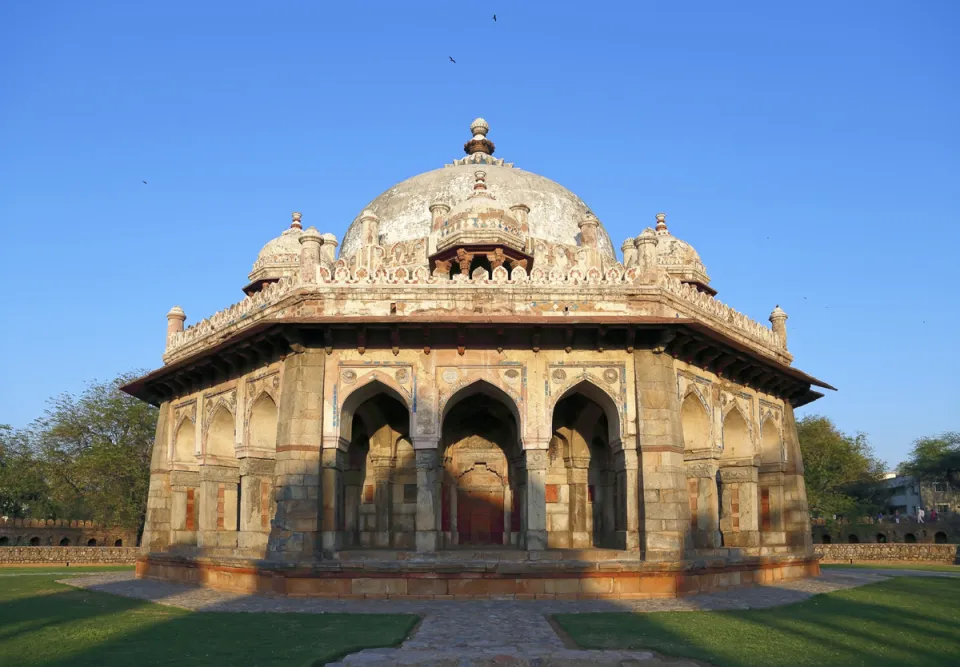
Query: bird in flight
x=144, y=182
x=452, y=60
x=494, y=18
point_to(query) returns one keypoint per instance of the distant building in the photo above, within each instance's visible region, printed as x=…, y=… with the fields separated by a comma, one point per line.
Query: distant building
x=908, y=494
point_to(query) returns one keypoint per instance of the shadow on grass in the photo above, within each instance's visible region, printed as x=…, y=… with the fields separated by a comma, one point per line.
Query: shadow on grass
x=45, y=624
x=900, y=622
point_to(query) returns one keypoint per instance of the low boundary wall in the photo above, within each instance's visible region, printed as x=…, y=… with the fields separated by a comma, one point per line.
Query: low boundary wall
x=72, y=555
x=931, y=553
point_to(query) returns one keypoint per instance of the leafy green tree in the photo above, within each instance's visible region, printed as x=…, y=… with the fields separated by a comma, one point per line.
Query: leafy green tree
x=23, y=487
x=840, y=471
x=94, y=450
x=935, y=459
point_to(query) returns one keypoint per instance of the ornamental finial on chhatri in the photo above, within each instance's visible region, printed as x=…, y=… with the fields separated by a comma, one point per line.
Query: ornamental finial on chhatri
x=176, y=313
x=479, y=143
x=296, y=221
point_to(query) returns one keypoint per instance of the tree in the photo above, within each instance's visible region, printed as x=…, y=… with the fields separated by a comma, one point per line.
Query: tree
x=94, y=450
x=841, y=473
x=935, y=459
x=23, y=488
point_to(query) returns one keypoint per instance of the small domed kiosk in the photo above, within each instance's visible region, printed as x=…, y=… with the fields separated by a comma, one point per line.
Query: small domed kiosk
x=477, y=397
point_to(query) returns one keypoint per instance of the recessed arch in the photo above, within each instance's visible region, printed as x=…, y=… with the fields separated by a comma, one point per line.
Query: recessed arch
x=736, y=435
x=592, y=390
x=771, y=443
x=360, y=395
x=262, y=425
x=184, y=441
x=485, y=387
x=695, y=421
x=221, y=434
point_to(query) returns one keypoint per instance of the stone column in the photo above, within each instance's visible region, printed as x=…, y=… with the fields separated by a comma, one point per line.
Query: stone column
x=646, y=245
x=310, y=242
x=665, y=511
x=796, y=514
x=770, y=496
x=295, y=531
x=428, y=494
x=580, y=536
x=256, y=504
x=333, y=515
x=535, y=460
x=738, y=521
x=704, y=504
x=628, y=463
x=156, y=529
x=184, y=507
x=383, y=469
x=218, y=506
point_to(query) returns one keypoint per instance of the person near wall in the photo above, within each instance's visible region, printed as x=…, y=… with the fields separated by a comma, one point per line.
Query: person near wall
x=933, y=514
x=920, y=515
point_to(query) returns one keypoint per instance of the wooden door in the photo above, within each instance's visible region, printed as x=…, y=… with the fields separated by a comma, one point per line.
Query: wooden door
x=480, y=516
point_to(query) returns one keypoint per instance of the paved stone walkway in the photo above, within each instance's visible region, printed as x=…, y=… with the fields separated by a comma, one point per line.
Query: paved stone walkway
x=488, y=632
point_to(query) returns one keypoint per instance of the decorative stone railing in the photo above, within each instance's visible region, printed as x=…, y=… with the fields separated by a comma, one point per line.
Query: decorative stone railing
x=344, y=276
x=272, y=260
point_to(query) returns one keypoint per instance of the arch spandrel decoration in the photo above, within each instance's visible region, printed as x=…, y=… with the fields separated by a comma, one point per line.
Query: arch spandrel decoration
x=726, y=451
x=220, y=422
x=508, y=383
x=596, y=389
x=772, y=443
x=487, y=383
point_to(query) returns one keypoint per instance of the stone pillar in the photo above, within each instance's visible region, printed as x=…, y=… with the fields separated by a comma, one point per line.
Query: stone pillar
x=428, y=495
x=704, y=504
x=665, y=511
x=535, y=462
x=328, y=251
x=184, y=507
x=333, y=515
x=796, y=514
x=383, y=469
x=156, y=529
x=647, y=256
x=256, y=504
x=778, y=320
x=295, y=531
x=310, y=241
x=175, y=319
x=738, y=521
x=629, y=249
x=580, y=534
x=770, y=506
x=218, y=506
x=628, y=469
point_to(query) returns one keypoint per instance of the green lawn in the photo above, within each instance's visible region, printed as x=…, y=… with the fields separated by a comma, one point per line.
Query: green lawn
x=901, y=622
x=923, y=567
x=58, y=569
x=43, y=623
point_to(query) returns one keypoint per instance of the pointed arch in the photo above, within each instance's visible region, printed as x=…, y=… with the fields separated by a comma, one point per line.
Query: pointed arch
x=695, y=420
x=487, y=388
x=736, y=435
x=771, y=441
x=185, y=441
x=262, y=423
x=593, y=390
x=221, y=434
x=360, y=395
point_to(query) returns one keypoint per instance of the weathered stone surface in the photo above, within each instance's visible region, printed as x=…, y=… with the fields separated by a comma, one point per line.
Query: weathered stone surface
x=72, y=555
x=939, y=553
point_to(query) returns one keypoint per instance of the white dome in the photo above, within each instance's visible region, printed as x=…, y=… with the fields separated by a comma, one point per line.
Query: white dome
x=404, y=209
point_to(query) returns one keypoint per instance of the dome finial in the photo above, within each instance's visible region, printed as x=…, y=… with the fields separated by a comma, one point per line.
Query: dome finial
x=661, y=222
x=479, y=143
x=296, y=221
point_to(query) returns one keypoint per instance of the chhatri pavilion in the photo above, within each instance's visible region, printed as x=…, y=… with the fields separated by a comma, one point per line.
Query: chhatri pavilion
x=477, y=397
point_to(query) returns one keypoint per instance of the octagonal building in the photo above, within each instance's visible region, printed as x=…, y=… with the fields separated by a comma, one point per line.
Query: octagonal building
x=477, y=397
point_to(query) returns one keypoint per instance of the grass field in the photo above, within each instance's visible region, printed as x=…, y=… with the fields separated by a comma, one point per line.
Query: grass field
x=902, y=622
x=922, y=567
x=46, y=624
x=66, y=571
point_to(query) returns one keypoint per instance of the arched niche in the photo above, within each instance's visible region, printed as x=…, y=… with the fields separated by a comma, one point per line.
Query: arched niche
x=771, y=444
x=184, y=442
x=601, y=398
x=485, y=388
x=221, y=434
x=361, y=395
x=695, y=423
x=262, y=428
x=736, y=436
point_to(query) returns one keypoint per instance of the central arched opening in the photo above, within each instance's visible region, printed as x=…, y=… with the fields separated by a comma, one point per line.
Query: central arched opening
x=380, y=479
x=586, y=502
x=481, y=492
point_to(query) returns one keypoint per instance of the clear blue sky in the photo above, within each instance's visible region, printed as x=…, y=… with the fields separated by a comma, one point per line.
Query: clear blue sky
x=808, y=150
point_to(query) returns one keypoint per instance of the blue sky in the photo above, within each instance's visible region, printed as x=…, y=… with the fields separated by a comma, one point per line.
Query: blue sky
x=808, y=150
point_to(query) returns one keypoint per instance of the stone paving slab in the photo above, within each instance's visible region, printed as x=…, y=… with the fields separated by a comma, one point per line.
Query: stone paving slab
x=482, y=632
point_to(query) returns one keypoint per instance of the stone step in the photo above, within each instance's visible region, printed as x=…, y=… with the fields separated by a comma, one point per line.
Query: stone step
x=508, y=657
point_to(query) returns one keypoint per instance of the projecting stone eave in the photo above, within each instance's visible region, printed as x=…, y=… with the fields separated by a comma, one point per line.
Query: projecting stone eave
x=276, y=330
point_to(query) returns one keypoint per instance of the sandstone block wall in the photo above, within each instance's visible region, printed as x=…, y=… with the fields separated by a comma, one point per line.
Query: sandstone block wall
x=72, y=555
x=937, y=553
